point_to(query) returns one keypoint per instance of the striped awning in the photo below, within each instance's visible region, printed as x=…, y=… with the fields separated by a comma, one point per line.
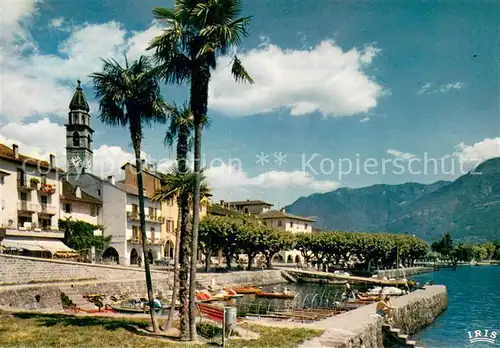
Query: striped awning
x=52, y=246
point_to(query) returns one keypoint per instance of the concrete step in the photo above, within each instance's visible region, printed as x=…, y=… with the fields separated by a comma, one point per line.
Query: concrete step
x=395, y=330
x=403, y=336
x=411, y=343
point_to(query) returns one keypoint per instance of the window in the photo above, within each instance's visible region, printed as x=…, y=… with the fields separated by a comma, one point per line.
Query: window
x=44, y=199
x=98, y=192
x=89, y=139
x=44, y=179
x=291, y=224
x=76, y=139
x=280, y=223
x=151, y=212
x=306, y=226
x=153, y=234
x=67, y=208
x=134, y=209
x=246, y=210
x=135, y=233
x=93, y=210
x=24, y=196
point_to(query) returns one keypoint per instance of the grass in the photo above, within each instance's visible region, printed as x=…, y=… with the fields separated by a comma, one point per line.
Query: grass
x=59, y=330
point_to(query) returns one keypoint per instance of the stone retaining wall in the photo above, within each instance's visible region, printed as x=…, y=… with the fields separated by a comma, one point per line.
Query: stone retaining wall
x=404, y=272
x=25, y=270
x=23, y=296
x=362, y=328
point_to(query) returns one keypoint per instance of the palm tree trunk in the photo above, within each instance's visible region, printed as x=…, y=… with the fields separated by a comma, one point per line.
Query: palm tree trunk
x=182, y=151
x=149, y=281
x=199, y=100
x=173, y=302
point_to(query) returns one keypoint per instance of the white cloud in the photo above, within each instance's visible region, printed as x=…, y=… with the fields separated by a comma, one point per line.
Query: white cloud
x=363, y=120
x=324, y=79
x=42, y=84
x=400, y=154
x=424, y=88
x=42, y=138
x=230, y=176
x=56, y=23
x=448, y=87
x=451, y=86
x=478, y=152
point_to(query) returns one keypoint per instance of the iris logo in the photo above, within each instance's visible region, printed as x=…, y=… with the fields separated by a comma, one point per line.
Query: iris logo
x=482, y=336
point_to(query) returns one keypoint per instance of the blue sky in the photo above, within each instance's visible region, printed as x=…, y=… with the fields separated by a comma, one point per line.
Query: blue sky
x=343, y=80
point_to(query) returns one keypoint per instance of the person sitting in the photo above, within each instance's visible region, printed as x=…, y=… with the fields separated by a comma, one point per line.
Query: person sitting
x=385, y=309
x=349, y=292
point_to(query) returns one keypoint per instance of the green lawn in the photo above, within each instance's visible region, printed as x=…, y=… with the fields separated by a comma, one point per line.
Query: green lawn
x=58, y=330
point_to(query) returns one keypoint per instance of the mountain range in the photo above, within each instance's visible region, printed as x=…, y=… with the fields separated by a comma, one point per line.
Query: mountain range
x=468, y=207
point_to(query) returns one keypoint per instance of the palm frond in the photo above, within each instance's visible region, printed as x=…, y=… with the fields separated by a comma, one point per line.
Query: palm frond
x=239, y=72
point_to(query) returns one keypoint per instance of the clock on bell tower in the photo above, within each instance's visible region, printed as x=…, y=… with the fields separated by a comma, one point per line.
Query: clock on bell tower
x=79, y=155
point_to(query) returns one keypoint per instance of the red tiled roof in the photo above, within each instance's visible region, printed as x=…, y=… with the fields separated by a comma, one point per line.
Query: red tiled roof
x=7, y=154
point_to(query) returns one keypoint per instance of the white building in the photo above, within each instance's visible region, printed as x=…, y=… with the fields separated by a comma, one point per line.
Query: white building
x=282, y=220
x=79, y=205
x=30, y=205
x=121, y=218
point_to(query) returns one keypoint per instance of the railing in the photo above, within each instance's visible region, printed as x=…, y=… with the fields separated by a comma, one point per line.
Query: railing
x=132, y=215
x=48, y=209
x=27, y=206
x=47, y=188
x=148, y=241
x=25, y=184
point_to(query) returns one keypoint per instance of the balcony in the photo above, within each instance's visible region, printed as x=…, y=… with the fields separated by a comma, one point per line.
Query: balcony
x=47, y=189
x=27, y=207
x=24, y=185
x=30, y=231
x=132, y=215
x=48, y=209
x=149, y=241
x=155, y=219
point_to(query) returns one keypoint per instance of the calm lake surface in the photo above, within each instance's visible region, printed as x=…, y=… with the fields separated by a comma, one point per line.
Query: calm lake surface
x=473, y=304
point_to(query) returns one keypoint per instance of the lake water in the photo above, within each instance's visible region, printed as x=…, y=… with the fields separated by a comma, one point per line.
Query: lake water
x=473, y=304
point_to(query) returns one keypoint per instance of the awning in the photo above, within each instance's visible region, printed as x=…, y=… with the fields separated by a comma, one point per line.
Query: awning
x=21, y=245
x=52, y=246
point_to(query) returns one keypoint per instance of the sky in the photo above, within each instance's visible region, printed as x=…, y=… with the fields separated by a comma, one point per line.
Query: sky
x=346, y=93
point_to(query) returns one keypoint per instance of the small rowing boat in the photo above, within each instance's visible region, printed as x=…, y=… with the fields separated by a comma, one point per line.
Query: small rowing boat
x=279, y=295
x=249, y=290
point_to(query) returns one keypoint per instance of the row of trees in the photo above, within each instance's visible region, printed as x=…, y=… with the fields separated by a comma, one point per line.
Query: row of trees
x=246, y=235
x=466, y=251
x=195, y=33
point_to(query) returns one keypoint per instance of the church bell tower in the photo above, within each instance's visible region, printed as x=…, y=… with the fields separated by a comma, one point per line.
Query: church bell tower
x=79, y=155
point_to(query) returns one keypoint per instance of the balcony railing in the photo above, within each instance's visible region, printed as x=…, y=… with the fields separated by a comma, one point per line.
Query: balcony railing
x=27, y=206
x=47, y=189
x=132, y=215
x=48, y=209
x=148, y=241
x=25, y=184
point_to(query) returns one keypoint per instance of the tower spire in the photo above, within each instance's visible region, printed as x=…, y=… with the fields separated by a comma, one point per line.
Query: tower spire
x=79, y=102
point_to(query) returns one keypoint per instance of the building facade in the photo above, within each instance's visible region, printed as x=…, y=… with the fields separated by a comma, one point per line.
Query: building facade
x=30, y=204
x=254, y=207
x=284, y=221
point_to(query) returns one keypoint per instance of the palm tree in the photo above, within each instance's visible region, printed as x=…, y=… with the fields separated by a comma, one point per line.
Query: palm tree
x=186, y=51
x=176, y=185
x=130, y=96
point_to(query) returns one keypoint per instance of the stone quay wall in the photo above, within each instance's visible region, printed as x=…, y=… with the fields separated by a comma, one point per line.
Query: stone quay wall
x=362, y=328
x=29, y=270
x=24, y=296
x=404, y=272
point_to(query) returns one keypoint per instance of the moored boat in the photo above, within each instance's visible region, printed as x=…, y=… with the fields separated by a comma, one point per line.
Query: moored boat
x=279, y=295
x=245, y=291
